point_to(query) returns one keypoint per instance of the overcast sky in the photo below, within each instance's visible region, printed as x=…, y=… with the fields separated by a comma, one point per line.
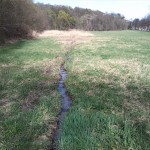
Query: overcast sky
x=131, y=9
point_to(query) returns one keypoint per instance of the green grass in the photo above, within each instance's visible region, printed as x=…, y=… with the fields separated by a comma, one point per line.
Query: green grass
x=109, y=80
x=29, y=99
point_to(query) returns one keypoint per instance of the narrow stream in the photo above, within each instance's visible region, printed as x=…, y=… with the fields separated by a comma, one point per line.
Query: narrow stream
x=66, y=104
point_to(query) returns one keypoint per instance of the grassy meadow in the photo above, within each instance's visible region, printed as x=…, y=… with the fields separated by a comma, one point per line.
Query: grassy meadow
x=108, y=80
x=29, y=100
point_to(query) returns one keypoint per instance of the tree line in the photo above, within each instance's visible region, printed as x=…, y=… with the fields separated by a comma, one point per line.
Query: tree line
x=64, y=18
x=140, y=24
x=18, y=18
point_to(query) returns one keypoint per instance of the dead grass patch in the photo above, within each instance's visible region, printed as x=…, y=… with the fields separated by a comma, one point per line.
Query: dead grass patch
x=68, y=38
x=34, y=96
x=6, y=104
x=32, y=99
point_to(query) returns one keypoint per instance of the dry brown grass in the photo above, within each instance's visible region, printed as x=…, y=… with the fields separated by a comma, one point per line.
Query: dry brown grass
x=68, y=38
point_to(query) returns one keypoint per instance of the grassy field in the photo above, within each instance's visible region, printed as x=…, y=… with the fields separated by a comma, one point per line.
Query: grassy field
x=108, y=80
x=29, y=99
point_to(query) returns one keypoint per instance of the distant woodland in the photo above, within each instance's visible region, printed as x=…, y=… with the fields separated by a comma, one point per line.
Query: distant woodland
x=18, y=18
x=64, y=18
x=143, y=24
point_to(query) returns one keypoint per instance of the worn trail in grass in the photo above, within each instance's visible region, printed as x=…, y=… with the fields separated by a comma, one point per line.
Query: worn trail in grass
x=109, y=79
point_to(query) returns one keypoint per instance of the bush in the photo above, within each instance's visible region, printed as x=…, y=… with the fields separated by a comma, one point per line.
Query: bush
x=19, y=18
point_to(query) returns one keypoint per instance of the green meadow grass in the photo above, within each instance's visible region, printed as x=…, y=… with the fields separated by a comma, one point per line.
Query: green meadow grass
x=29, y=99
x=109, y=81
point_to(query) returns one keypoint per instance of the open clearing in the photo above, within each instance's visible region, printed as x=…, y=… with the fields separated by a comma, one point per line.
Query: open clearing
x=108, y=80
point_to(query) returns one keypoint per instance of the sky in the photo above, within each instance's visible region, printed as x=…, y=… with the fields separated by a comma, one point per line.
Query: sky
x=131, y=9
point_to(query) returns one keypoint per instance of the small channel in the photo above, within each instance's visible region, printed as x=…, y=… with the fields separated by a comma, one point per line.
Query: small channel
x=66, y=104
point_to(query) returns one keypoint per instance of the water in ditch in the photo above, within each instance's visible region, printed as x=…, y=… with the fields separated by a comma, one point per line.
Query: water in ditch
x=66, y=104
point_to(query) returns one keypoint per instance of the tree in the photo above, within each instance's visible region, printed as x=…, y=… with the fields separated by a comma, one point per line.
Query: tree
x=135, y=23
x=65, y=21
x=52, y=19
x=143, y=24
x=18, y=18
